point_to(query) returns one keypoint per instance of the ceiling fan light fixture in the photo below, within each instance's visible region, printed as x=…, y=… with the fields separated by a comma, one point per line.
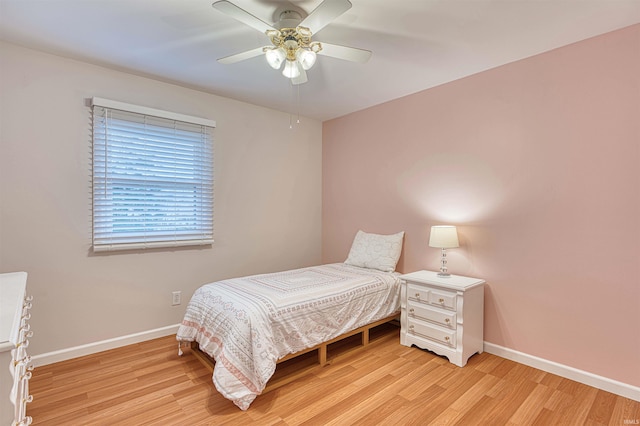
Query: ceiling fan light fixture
x=306, y=58
x=275, y=57
x=291, y=69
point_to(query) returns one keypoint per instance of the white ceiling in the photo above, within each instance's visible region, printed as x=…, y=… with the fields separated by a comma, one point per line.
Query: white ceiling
x=416, y=44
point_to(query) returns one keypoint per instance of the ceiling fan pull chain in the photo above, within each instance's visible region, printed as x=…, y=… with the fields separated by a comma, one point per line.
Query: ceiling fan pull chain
x=298, y=102
x=296, y=88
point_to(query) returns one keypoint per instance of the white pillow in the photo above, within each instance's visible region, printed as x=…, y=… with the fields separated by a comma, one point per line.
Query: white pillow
x=375, y=251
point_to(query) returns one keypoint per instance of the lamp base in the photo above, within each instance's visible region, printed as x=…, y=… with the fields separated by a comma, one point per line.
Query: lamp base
x=443, y=265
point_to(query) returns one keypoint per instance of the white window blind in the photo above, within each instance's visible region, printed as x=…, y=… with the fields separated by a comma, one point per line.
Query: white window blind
x=152, y=178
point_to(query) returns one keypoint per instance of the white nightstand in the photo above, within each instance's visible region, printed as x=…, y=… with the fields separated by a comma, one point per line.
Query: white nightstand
x=443, y=315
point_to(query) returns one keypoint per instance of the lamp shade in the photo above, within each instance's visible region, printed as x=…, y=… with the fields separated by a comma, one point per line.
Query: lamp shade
x=306, y=58
x=443, y=236
x=291, y=69
x=275, y=57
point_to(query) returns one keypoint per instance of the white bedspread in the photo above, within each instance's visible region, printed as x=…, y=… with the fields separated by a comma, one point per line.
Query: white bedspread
x=247, y=324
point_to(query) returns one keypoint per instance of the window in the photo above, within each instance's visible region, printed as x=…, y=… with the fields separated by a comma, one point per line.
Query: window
x=152, y=178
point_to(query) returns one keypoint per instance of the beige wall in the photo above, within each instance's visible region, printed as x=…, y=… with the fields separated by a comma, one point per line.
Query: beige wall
x=538, y=163
x=267, y=200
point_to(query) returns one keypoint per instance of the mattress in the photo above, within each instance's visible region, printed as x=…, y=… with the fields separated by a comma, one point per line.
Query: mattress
x=247, y=324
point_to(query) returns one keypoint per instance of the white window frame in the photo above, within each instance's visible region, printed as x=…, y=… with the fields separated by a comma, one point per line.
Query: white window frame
x=160, y=196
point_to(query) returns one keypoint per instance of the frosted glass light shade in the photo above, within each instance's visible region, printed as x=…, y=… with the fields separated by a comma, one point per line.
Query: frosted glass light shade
x=275, y=57
x=306, y=58
x=443, y=236
x=291, y=69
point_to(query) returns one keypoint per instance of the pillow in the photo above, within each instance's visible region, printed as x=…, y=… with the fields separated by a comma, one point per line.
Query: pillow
x=375, y=251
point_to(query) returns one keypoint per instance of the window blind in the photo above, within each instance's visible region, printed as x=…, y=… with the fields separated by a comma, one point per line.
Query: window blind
x=152, y=178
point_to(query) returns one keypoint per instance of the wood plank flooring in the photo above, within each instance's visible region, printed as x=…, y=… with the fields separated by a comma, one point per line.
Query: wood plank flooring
x=383, y=384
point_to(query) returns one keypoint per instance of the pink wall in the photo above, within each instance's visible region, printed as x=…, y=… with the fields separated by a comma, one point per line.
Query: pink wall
x=538, y=164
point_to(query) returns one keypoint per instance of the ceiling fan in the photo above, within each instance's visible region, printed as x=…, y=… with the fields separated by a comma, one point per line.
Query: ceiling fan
x=290, y=37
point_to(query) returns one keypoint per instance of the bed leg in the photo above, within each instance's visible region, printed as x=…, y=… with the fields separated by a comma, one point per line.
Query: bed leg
x=322, y=355
x=365, y=337
x=180, y=349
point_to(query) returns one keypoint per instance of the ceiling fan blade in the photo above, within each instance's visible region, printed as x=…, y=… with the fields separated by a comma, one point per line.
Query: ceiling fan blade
x=302, y=78
x=352, y=54
x=241, y=56
x=326, y=12
x=242, y=15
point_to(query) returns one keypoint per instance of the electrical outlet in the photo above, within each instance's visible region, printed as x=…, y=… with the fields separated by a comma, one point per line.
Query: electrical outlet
x=176, y=298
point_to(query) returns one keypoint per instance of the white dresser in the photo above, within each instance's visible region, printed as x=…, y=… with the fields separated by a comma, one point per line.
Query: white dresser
x=15, y=364
x=443, y=314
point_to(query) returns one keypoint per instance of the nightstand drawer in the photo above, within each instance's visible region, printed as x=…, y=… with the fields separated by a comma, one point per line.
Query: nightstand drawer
x=418, y=293
x=438, y=316
x=440, y=335
x=444, y=299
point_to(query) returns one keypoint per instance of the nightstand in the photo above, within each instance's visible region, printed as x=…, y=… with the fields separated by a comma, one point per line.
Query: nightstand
x=443, y=314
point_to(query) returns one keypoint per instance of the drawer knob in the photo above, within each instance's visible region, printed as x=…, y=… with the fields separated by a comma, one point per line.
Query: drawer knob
x=417, y=295
x=441, y=301
x=447, y=320
x=447, y=338
x=411, y=327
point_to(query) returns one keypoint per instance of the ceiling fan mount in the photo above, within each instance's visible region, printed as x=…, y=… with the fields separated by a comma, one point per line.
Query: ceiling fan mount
x=288, y=18
x=290, y=38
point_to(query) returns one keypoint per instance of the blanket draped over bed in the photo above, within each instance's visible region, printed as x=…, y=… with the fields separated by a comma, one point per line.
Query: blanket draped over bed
x=248, y=324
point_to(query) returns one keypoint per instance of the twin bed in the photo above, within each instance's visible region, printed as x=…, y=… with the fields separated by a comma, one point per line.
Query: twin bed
x=247, y=325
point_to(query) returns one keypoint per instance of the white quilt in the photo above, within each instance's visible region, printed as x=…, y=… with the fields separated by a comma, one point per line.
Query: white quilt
x=248, y=324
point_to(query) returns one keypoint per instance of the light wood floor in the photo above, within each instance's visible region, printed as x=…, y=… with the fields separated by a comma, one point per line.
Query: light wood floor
x=386, y=384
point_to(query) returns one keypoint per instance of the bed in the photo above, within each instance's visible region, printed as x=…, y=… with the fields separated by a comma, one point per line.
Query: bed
x=248, y=324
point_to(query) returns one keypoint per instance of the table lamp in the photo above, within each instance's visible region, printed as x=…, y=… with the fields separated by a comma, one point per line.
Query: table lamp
x=443, y=237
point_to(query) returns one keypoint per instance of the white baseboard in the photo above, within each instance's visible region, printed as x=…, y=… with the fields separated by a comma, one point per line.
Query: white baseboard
x=606, y=384
x=92, y=348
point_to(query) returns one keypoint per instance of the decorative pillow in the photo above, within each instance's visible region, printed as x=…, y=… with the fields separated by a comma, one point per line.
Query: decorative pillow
x=375, y=251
